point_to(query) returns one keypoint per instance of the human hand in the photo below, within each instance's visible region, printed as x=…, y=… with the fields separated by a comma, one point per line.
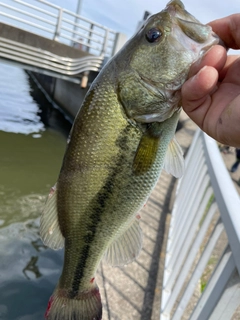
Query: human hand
x=211, y=96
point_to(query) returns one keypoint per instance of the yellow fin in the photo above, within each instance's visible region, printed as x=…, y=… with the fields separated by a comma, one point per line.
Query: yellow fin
x=49, y=227
x=126, y=247
x=146, y=154
x=174, y=161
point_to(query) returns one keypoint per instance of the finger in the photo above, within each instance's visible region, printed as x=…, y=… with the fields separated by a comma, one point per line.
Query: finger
x=228, y=128
x=196, y=94
x=232, y=71
x=229, y=62
x=197, y=87
x=228, y=30
x=215, y=57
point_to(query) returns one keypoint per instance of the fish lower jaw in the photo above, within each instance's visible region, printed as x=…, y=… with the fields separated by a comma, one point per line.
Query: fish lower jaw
x=213, y=39
x=205, y=49
x=157, y=117
x=174, y=6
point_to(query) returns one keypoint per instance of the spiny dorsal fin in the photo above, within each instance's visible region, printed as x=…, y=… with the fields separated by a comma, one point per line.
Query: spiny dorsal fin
x=174, y=161
x=146, y=154
x=127, y=247
x=49, y=227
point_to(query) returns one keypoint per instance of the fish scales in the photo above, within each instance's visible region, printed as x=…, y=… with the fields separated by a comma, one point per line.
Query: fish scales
x=101, y=211
x=121, y=139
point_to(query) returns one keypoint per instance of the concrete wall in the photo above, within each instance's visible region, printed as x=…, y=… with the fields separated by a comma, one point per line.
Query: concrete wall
x=69, y=96
x=36, y=41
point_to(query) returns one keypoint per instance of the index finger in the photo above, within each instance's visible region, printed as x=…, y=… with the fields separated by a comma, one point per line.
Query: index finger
x=228, y=30
x=215, y=57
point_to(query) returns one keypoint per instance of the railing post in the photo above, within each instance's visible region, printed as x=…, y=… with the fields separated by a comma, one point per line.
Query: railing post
x=104, y=47
x=89, y=36
x=120, y=39
x=58, y=26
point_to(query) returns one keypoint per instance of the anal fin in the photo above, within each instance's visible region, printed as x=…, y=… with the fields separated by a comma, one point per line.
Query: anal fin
x=49, y=226
x=126, y=247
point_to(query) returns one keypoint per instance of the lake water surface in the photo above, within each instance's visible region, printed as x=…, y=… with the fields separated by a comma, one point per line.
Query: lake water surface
x=32, y=144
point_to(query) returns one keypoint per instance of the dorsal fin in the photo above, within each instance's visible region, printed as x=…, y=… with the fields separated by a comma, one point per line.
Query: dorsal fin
x=49, y=227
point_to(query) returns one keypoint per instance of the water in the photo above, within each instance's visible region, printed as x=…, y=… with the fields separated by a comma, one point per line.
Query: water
x=32, y=144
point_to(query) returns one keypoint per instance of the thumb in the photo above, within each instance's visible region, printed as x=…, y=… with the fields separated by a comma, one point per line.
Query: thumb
x=196, y=93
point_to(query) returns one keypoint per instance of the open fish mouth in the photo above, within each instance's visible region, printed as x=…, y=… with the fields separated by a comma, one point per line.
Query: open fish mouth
x=177, y=9
x=201, y=34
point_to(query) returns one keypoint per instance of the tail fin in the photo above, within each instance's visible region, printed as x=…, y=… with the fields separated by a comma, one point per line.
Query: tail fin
x=84, y=306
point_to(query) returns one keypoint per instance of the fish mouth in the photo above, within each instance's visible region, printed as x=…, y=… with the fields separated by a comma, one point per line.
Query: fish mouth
x=177, y=9
x=175, y=4
x=214, y=41
x=193, y=34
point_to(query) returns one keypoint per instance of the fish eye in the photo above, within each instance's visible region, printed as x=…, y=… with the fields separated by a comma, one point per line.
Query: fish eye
x=153, y=35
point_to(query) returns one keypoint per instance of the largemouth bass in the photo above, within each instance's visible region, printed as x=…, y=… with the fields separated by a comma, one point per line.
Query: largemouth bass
x=121, y=139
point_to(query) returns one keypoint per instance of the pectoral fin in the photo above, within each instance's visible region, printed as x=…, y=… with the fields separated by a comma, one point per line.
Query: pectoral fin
x=49, y=227
x=174, y=161
x=146, y=154
x=126, y=248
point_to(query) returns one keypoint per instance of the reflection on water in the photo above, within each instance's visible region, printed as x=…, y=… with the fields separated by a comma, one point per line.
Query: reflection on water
x=31, y=156
x=33, y=268
x=18, y=111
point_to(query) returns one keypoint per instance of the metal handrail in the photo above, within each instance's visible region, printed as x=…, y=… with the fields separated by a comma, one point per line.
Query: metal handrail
x=30, y=14
x=42, y=59
x=25, y=21
x=37, y=8
x=205, y=197
x=31, y=50
x=55, y=24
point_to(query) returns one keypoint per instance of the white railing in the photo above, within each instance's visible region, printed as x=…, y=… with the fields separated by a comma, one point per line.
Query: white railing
x=202, y=266
x=51, y=21
x=38, y=60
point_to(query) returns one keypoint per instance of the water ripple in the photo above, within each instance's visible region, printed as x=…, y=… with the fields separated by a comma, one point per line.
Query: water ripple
x=18, y=111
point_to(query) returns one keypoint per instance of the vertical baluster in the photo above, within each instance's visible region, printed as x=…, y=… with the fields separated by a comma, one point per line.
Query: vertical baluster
x=104, y=47
x=58, y=25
